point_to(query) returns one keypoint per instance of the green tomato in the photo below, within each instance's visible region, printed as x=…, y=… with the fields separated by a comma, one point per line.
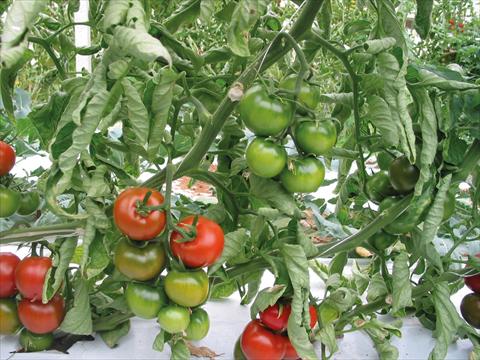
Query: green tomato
x=173, y=318
x=9, y=202
x=29, y=202
x=378, y=187
x=316, y=137
x=187, y=288
x=238, y=352
x=263, y=114
x=139, y=262
x=305, y=176
x=265, y=158
x=199, y=325
x=308, y=96
x=403, y=175
x=32, y=342
x=9, y=322
x=144, y=300
x=381, y=240
x=384, y=159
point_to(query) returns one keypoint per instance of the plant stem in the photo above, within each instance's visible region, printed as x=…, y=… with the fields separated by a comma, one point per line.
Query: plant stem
x=38, y=233
x=49, y=50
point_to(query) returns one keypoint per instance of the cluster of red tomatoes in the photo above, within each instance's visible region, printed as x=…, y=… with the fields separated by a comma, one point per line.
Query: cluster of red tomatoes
x=460, y=25
x=26, y=278
x=270, y=119
x=196, y=242
x=267, y=337
x=12, y=201
x=470, y=305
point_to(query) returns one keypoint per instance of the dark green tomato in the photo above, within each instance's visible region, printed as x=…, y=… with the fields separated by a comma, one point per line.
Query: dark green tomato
x=316, y=137
x=144, y=300
x=187, y=288
x=263, y=114
x=139, y=262
x=449, y=206
x=199, y=325
x=378, y=187
x=384, y=159
x=9, y=322
x=32, y=342
x=308, y=96
x=470, y=309
x=403, y=175
x=238, y=352
x=173, y=318
x=29, y=202
x=382, y=240
x=265, y=158
x=9, y=202
x=305, y=176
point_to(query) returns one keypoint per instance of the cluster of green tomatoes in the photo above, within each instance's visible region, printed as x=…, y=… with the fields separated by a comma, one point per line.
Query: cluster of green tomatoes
x=271, y=119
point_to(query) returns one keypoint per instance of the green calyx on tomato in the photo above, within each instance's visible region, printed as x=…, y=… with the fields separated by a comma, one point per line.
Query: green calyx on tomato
x=29, y=202
x=32, y=342
x=378, y=187
x=187, y=288
x=303, y=176
x=265, y=158
x=145, y=301
x=199, y=325
x=470, y=309
x=316, y=137
x=7, y=158
x=139, y=262
x=9, y=321
x=308, y=95
x=263, y=114
x=9, y=202
x=403, y=175
x=173, y=318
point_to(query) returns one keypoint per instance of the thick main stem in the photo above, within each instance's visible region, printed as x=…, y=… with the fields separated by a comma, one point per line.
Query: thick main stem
x=41, y=232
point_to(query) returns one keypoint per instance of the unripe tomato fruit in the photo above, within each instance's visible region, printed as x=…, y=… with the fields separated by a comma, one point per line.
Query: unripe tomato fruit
x=258, y=342
x=316, y=137
x=265, y=158
x=173, y=318
x=403, y=175
x=8, y=264
x=305, y=176
x=145, y=301
x=470, y=309
x=9, y=202
x=32, y=342
x=30, y=276
x=262, y=114
x=378, y=187
x=473, y=282
x=7, y=158
x=275, y=317
x=9, y=322
x=133, y=224
x=187, y=288
x=199, y=325
x=29, y=202
x=308, y=95
x=42, y=318
x=204, y=249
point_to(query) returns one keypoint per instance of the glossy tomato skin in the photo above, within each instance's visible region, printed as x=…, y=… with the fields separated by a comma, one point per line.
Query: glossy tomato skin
x=8, y=264
x=275, y=317
x=305, y=176
x=30, y=276
x=290, y=352
x=7, y=158
x=42, y=318
x=143, y=262
x=470, y=309
x=313, y=316
x=145, y=301
x=133, y=224
x=29, y=202
x=403, y=175
x=262, y=114
x=204, y=249
x=9, y=202
x=308, y=96
x=187, y=288
x=265, y=158
x=199, y=325
x=32, y=342
x=316, y=137
x=259, y=343
x=9, y=321
x=173, y=318
x=473, y=282
x=378, y=187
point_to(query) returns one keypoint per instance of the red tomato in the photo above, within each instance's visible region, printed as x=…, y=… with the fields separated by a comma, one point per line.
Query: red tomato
x=30, y=276
x=8, y=263
x=473, y=282
x=7, y=158
x=451, y=21
x=139, y=226
x=259, y=343
x=313, y=316
x=460, y=25
x=41, y=318
x=290, y=352
x=204, y=249
x=276, y=316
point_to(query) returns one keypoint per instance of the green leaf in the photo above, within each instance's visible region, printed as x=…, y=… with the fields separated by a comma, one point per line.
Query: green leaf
x=234, y=244
x=423, y=17
x=112, y=337
x=97, y=185
x=265, y=298
x=380, y=115
x=421, y=77
x=159, y=342
x=377, y=46
x=388, y=24
x=300, y=340
x=115, y=13
x=386, y=351
x=377, y=288
x=338, y=263
x=137, y=113
x=402, y=288
x=136, y=16
x=78, y=319
x=180, y=350
x=328, y=338
x=304, y=241
x=98, y=259
x=245, y=15
x=185, y=13
x=337, y=98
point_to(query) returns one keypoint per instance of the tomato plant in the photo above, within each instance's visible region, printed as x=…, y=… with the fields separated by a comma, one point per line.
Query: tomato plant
x=316, y=137
x=30, y=276
x=32, y=342
x=8, y=264
x=145, y=301
x=7, y=158
x=276, y=316
x=9, y=322
x=308, y=95
x=259, y=343
x=41, y=318
x=199, y=325
x=10, y=201
x=379, y=187
x=265, y=158
x=187, y=288
x=305, y=175
x=173, y=318
x=470, y=308
x=29, y=202
x=403, y=175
